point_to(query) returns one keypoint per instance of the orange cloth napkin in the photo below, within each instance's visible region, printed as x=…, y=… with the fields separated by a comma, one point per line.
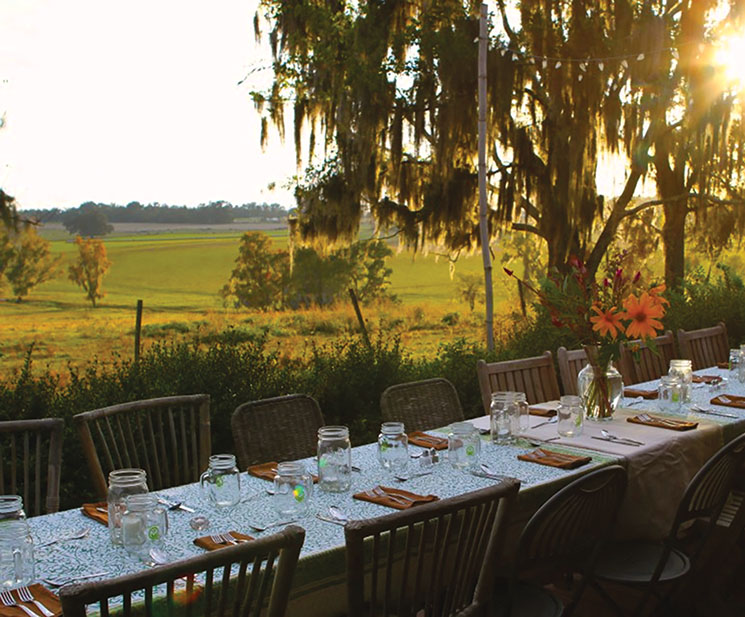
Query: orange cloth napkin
x=423, y=440
x=724, y=365
x=267, y=471
x=41, y=594
x=395, y=498
x=706, y=379
x=732, y=400
x=634, y=392
x=206, y=543
x=672, y=424
x=90, y=509
x=554, y=459
x=545, y=412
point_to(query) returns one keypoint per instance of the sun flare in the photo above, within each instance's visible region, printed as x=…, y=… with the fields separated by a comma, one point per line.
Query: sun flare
x=731, y=57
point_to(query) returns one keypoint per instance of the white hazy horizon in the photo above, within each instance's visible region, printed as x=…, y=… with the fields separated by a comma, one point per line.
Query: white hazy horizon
x=112, y=103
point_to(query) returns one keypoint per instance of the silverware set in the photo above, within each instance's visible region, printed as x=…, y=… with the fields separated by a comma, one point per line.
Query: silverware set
x=712, y=412
x=24, y=595
x=226, y=538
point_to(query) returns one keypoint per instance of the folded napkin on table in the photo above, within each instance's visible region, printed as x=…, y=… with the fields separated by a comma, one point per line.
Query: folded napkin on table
x=267, y=471
x=724, y=365
x=729, y=400
x=636, y=392
x=207, y=543
x=94, y=511
x=41, y=594
x=554, y=459
x=545, y=410
x=423, y=440
x=706, y=379
x=671, y=423
x=395, y=498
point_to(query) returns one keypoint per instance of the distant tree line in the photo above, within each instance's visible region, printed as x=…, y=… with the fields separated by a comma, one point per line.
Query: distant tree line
x=134, y=212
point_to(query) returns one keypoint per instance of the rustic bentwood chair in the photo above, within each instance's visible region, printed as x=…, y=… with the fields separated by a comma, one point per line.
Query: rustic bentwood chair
x=167, y=437
x=563, y=537
x=262, y=573
x=421, y=405
x=30, y=461
x=705, y=347
x=283, y=428
x=571, y=362
x=658, y=569
x=649, y=364
x=437, y=559
x=536, y=377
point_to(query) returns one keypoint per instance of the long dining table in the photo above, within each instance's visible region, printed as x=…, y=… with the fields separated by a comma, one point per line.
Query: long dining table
x=659, y=470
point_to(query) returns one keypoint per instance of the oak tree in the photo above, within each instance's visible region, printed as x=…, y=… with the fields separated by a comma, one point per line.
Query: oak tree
x=90, y=267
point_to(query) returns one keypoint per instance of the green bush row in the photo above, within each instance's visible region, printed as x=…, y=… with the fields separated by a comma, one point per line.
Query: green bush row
x=346, y=377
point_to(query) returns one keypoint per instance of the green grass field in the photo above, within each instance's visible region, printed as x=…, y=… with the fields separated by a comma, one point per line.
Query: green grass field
x=178, y=274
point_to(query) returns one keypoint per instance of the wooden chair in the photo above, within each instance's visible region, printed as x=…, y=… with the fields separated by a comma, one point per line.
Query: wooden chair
x=167, y=437
x=536, y=377
x=649, y=365
x=421, y=405
x=438, y=558
x=283, y=428
x=659, y=569
x=30, y=462
x=571, y=362
x=563, y=537
x=705, y=347
x=263, y=571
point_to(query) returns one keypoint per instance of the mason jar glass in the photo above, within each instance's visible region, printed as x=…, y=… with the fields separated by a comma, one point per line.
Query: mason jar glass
x=144, y=525
x=16, y=544
x=670, y=393
x=504, y=413
x=521, y=418
x=393, y=450
x=334, y=459
x=570, y=416
x=682, y=370
x=293, y=489
x=122, y=483
x=222, y=481
x=464, y=445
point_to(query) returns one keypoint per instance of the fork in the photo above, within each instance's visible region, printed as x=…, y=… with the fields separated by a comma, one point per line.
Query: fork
x=647, y=418
x=7, y=598
x=24, y=593
x=222, y=538
x=402, y=500
x=61, y=582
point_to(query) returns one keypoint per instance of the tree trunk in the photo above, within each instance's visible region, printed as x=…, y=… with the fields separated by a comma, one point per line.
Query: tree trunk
x=671, y=189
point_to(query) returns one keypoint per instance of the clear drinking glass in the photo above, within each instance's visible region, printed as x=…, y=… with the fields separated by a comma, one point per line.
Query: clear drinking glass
x=334, y=459
x=393, y=450
x=504, y=417
x=122, y=483
x=464, y=445
x=571, y=416
x=741, y=365
x=521, y=420
x=16, y=544
x=222, y=481
x=293, y=489
x=670, y=393
x=144, y=525
x=734, y=360
x=682, y=370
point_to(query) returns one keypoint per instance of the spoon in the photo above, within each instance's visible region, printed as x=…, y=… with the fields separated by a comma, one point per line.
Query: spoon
x=549, y=421
x=414, y=475
x=157, y=557
x=338, y=514
x=612, y=437
x=78, y=535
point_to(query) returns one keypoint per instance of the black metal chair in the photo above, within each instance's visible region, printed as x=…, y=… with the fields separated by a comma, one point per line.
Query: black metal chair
x=283, y=428
x=263, y=571
x=563, y=536
x=437, y=559
x=658, y=569
x=421, y=405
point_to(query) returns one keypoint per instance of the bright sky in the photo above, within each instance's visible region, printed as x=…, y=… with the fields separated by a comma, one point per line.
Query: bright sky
x=120, y=101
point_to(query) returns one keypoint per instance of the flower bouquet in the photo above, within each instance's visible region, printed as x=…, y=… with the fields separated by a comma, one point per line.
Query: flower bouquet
x=602, y=314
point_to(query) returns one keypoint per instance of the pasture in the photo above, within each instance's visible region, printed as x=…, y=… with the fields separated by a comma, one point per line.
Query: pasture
x=177, y=272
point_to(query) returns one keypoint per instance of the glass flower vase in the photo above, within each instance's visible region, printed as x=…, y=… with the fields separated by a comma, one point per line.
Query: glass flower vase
x=600, y=389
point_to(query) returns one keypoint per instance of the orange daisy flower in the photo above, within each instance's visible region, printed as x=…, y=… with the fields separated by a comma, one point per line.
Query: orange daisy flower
x=606, y=322
x=655, y=293
x=643, y=314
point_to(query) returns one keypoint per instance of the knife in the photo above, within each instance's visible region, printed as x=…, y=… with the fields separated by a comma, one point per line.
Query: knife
x=621, y=440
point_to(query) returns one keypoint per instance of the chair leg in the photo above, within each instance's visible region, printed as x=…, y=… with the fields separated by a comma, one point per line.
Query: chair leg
x=607, y=598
